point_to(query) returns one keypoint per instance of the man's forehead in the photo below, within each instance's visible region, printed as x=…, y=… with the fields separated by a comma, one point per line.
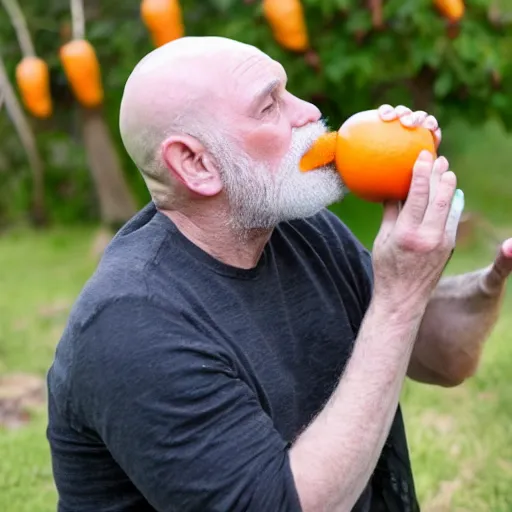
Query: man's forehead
x=257, y=65
x=256, y=75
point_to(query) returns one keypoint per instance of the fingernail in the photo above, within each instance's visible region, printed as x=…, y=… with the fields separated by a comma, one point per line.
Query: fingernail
x=458, y=199
x=442, y=162
x=430, y=124
x=387, y=114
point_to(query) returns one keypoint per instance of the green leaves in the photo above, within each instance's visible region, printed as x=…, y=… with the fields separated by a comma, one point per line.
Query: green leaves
x=443, y=83
x=468, y=64
x=223, y=5
x=416, y=58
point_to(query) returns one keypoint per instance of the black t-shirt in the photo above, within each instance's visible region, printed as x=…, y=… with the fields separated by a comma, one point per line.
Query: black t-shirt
x=180, y=382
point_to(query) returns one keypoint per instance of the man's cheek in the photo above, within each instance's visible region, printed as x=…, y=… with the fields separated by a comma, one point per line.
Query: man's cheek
x=267, y=146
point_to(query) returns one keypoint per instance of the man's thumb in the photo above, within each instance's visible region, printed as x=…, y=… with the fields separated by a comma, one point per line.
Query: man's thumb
x=501, y=268
x=391, y=209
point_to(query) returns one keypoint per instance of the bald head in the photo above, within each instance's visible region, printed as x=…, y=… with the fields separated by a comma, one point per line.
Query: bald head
x=176, y=80
x=178, y=89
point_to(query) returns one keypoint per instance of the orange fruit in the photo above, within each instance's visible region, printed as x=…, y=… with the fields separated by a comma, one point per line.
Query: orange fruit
x=375, y=158
x=163, y=19
x=453, y=10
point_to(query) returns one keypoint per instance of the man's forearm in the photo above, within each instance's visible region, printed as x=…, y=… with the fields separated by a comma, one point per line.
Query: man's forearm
x=459, y=317
x=335, y=456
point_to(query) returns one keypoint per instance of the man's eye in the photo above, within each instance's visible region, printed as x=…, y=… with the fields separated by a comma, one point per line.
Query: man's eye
x=269, y=107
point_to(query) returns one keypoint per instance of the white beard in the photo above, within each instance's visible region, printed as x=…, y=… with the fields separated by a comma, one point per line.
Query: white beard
x=260, y=199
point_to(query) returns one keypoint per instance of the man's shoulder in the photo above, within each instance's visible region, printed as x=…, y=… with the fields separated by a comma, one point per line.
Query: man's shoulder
x=123, y=271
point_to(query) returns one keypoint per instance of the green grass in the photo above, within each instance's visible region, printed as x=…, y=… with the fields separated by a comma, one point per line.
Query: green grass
x=460, y=439
x=41, y=276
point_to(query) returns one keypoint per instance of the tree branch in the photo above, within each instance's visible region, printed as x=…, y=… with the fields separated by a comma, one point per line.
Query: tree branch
x=377, y=14
x=20, y=26
x=78, y=19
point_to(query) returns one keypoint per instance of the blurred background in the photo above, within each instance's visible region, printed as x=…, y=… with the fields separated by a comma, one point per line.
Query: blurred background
x=66, y=185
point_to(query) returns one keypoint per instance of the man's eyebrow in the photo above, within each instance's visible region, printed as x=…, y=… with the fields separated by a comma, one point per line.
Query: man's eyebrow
x=265, y=91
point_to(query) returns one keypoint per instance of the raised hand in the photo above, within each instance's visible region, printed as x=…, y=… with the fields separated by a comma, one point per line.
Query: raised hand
x=495, y=278
x=415, y=242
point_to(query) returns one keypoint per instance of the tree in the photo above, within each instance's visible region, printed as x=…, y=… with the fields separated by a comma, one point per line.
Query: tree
x=384, y=52
x=360, y=54
x=116, y=201
x=16, y=113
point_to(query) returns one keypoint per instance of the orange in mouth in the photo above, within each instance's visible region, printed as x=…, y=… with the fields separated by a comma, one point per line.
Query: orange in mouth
x=322, y=152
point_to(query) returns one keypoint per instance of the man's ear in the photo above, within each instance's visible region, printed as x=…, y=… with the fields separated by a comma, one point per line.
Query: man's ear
x=188, y=161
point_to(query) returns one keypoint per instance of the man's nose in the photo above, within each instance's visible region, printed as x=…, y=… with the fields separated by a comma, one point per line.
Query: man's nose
x=305, y=113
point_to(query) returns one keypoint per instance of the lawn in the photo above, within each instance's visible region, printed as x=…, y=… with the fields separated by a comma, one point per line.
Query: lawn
x=41, y=275
x=460, y=439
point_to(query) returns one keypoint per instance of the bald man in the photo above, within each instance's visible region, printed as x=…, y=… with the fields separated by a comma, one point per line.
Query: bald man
x=237, y=349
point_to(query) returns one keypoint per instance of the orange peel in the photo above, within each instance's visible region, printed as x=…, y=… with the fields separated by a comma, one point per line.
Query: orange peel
x=322, y=152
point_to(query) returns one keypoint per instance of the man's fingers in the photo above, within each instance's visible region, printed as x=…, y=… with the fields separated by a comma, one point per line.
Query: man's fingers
x=501, y=268
x=419, y=192
x=436, y=216
x=389, y=217
x=401, y=110
x=456, y=209
x=391, y=211
x=440, y=166
x=414, y=118
x=430, y=123
x=506, y=251
x=438, y=137
x=387, y=112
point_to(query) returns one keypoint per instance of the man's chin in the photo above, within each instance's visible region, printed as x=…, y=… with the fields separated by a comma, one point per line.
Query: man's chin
x=313, y=206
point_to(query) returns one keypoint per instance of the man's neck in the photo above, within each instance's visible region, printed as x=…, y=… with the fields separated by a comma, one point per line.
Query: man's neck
x=214, y=236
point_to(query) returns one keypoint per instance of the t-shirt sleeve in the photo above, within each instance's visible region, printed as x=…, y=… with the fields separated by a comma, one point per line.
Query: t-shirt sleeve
x=174, y=414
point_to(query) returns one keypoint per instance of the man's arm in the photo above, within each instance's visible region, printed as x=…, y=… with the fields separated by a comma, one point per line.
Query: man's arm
x=460, y=315
x=335, y=456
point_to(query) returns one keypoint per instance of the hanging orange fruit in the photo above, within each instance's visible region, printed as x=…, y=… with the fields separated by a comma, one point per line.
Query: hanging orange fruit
x=374, y=158
x=163, y=19
x=287, y=22
x=33, y=80
x=453, y=10
x=82, y=70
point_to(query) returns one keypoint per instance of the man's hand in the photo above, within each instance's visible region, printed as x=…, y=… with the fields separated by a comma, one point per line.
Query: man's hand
x=415, y=242
x=495, y=278
x=409, y=118
x=462, y=310
x=459, y=318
